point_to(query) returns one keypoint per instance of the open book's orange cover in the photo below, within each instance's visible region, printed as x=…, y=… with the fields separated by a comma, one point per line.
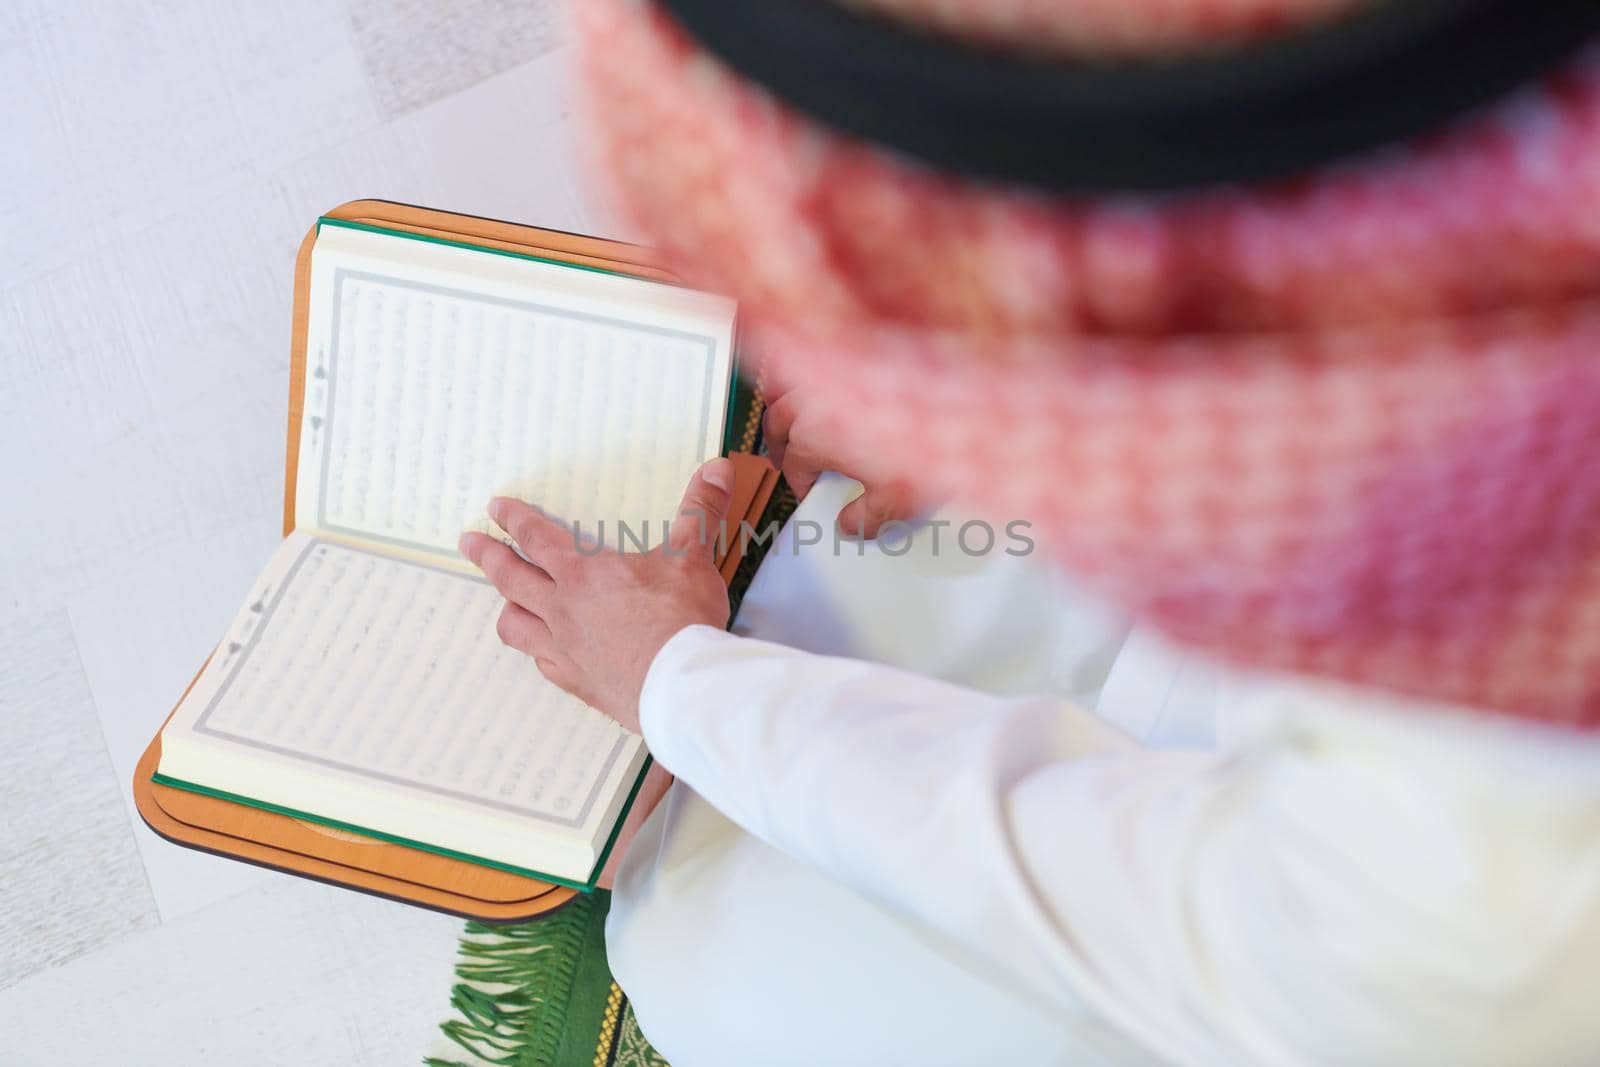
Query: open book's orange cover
x=383, y=868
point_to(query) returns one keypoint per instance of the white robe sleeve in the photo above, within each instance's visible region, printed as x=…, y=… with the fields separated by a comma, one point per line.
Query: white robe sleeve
x=1320, y=890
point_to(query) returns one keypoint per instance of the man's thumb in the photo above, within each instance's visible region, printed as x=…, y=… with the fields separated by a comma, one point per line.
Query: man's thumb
x=700, y=518
x=866, y=515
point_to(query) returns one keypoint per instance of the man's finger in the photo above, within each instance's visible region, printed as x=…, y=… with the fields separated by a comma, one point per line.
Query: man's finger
x=518, y=580
x=774, y=376
x=878, y=504
x=704, y=511
x=542, y=539
x=558, y=671
x=801, y=468
x=524, y=631
x=776, y=426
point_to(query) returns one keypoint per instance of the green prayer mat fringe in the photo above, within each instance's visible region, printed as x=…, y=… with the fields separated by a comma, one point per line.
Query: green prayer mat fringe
x=540, y=994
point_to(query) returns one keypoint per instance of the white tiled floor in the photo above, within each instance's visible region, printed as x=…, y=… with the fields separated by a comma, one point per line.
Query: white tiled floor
x=162, y=163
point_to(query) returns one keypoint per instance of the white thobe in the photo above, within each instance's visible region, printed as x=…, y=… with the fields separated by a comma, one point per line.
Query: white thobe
x=948, y=811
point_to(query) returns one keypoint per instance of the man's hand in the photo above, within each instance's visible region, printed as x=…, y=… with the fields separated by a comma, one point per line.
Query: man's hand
x=593, y=620
x=799, y=445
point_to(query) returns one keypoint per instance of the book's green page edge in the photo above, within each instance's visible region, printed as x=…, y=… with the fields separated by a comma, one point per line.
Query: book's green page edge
x=428, y=238
x=734, y=393
x=423, y=846
x=742, y=428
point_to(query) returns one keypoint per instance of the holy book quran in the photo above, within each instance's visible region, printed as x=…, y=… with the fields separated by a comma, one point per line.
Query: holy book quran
x=361, y=686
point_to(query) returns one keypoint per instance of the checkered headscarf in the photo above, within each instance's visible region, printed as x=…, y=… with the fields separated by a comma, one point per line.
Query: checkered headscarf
x=1347, y=424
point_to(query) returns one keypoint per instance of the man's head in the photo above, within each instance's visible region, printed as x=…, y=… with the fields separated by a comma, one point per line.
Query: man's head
x=1346, y=422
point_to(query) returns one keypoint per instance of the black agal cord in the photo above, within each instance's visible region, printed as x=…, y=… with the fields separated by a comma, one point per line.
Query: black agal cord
x=1389, y=70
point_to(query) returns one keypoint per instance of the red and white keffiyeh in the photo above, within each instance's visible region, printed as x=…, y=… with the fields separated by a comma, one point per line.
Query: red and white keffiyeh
x=1346, y=425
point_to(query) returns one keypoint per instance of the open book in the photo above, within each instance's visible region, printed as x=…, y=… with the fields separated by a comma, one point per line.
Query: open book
x=362, y=684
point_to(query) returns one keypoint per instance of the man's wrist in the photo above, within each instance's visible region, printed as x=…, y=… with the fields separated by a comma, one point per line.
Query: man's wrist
x=656, y=701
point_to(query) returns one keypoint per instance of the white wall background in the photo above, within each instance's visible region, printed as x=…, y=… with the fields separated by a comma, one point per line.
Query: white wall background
x=159, y=164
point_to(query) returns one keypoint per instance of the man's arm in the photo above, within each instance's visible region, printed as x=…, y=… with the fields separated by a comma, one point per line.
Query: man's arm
x=1351, y=884
x=914, y=792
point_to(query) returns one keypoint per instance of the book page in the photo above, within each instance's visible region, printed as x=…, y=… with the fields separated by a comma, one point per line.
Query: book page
x=373, y=690
x=438, y=377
